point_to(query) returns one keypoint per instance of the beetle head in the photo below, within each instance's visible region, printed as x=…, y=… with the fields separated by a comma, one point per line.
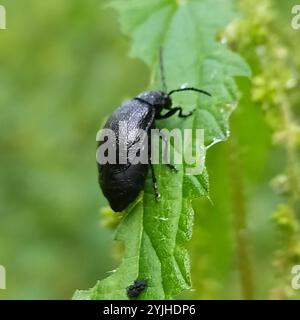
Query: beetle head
x=159, y=100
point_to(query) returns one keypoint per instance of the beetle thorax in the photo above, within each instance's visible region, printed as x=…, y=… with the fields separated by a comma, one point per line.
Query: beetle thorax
x=157, y=99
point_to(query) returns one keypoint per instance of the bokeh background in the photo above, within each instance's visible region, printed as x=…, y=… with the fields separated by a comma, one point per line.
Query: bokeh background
x=64, y=66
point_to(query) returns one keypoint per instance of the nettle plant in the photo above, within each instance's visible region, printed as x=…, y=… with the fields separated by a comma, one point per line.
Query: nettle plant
x=155, y=233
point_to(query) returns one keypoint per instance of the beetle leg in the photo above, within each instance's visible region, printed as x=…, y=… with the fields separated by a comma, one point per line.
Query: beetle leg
x=172, y=167
x=164, y=139
x=167, y=115
x=154, y=182
x=185, y=115
x=172, y=112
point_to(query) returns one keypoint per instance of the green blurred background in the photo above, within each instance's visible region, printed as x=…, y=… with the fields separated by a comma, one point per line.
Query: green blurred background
x=64, y=66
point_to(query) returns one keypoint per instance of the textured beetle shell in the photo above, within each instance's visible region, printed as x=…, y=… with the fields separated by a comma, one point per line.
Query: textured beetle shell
x=122, y=183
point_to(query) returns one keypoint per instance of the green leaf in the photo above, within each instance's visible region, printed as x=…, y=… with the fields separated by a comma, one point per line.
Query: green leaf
x=155, y=233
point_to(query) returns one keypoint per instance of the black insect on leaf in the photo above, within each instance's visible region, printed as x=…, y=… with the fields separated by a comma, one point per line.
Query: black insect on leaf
x=121, y=182
x=134, y=290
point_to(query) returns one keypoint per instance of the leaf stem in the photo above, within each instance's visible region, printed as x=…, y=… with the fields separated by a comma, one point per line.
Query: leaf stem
x=240, y=221
x=292, y=164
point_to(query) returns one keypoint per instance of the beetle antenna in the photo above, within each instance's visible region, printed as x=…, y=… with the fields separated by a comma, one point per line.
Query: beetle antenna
x=190, y=89
x=162, y=70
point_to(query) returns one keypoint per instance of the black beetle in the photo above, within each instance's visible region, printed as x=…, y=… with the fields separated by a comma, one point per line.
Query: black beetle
x=122, y=183
x=134, y=290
